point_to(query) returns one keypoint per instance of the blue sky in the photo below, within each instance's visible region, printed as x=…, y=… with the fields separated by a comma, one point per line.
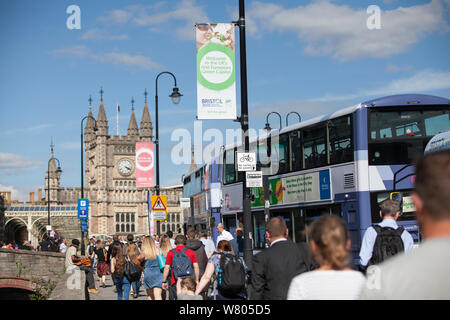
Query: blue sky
x=313, y=57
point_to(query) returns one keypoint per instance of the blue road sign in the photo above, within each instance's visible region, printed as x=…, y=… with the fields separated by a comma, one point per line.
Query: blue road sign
x=83, y=209
x=84, y=226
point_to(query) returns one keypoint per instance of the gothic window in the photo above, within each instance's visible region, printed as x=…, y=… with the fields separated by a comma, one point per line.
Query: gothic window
x=163, y=228
x=125, y=222
x=178, y=217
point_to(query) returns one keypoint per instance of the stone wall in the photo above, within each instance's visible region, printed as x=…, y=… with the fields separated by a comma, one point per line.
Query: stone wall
x=44, y=265
x=47, y=265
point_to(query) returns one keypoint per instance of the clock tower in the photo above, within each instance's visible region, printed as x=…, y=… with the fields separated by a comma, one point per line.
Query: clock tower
x=116, y=205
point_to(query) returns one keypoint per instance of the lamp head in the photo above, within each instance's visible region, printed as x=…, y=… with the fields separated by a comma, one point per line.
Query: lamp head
x=58, y=170
x=267, y=127
x=176, y=96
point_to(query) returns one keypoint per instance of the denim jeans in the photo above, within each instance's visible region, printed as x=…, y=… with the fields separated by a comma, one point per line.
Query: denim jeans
x=136, y=286
x=123, y=288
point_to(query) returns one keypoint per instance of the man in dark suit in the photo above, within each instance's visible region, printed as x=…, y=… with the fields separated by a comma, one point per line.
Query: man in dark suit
x=274, y=267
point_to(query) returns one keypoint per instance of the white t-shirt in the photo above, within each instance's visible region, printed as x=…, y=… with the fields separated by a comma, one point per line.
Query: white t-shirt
x=327, y=285
x=224, y=236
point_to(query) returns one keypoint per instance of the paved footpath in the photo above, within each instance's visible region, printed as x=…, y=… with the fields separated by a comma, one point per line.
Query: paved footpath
x=108, y=292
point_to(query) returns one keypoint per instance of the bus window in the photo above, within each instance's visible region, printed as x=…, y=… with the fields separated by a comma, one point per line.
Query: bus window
x=296, y=151
x=280, y=151
x=397, y=137
x=259, y=230
x=408, y=209
x=229, y=175
x=262, y=155
x=314, y=147
x=340, y=137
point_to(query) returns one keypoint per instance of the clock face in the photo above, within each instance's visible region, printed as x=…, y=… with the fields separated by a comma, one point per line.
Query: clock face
x=125, y=167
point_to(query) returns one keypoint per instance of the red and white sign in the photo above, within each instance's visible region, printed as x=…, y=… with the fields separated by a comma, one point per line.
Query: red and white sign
x=144, y=165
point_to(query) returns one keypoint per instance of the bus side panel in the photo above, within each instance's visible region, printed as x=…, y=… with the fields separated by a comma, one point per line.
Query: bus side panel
x=362, y=175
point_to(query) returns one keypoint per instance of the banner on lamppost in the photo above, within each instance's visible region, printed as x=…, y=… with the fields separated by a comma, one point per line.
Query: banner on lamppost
x=216, y=78
x=144, y=165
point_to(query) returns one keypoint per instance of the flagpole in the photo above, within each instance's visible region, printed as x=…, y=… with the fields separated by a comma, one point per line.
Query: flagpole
x=117, y=118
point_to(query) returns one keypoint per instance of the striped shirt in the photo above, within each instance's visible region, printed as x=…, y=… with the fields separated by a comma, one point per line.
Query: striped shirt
x=327, y=285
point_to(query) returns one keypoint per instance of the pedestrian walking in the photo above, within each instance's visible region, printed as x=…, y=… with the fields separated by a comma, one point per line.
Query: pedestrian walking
x=333, y=280
x=274, y=267
x=152, y=273
x=217, y=271
x=210, y=247
x=133, y=254
x=63, y=246
x=183, y=263
x=186, y=289
x=422, y=273
x=117, y=269
x=100, y=254
x=73, y=262
x=198, y=247
x=385, y=239
x=165, y=245
x=223, y=234
x=172, y=242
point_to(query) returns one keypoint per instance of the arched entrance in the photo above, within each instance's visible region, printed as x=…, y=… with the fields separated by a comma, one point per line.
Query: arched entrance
x=16, y=230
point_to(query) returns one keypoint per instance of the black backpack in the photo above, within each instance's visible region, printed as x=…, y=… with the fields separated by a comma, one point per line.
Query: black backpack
x=131, y=271
x=231, y=276
x=387, y=244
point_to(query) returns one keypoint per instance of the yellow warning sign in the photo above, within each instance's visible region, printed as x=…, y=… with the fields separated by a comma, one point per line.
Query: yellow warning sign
x=159, y=203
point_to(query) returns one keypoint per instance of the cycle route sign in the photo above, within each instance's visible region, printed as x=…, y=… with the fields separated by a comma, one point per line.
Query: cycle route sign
x=246, y=161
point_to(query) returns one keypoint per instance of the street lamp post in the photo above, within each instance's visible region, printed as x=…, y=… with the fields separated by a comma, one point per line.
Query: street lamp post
x=82, y=175
x=248, y=251
x=176, y=96
x=58, y=172
x=287, y=116
x=267, y=127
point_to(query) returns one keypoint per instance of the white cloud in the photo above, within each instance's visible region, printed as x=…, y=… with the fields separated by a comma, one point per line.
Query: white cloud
x=154, y=17
x=13, y=164
x=119, y=58
x=29, y=129
x=326, y=28
x=98, y=34
x=397, y=69
x=424, y=81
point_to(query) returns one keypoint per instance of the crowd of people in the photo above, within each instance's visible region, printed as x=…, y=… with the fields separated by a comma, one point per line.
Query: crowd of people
x=48, y=244
x=193, y=267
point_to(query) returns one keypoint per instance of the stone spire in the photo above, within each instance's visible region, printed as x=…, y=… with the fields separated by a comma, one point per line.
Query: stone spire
x=193, y=164
x=146, y=122
x=52, y=178
x=102, y=122
x=132, y=126
x=90, y=124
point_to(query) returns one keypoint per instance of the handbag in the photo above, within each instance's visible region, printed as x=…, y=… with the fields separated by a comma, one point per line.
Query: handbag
x=161, y=260
x=131, y=271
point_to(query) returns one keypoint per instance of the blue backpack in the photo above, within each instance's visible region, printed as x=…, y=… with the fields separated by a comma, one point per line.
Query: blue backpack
x=181, y=265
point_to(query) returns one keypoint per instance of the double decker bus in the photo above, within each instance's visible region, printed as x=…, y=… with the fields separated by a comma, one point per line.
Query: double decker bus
x=344, y=163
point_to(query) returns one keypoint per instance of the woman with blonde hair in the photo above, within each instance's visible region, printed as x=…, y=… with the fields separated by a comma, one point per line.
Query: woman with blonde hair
x=165, y=245
x=152, y=273
x=334, y=280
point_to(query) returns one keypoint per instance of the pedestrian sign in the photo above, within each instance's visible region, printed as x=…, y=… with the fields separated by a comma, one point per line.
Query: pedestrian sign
x=83, y=209
x=159, y=203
